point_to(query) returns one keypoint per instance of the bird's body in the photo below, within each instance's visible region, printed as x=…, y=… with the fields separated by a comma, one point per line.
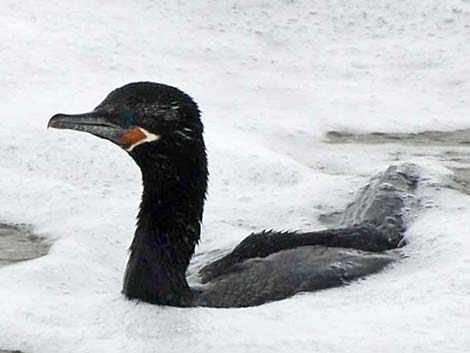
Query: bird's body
x=160, y=127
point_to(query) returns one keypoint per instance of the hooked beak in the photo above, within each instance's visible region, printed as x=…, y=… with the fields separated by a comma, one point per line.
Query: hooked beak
x=91, y=122
x=95, y=124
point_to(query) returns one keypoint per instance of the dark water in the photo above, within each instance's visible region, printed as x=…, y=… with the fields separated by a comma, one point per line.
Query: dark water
x=435, y=138
x=18, y=243
x=461, y=179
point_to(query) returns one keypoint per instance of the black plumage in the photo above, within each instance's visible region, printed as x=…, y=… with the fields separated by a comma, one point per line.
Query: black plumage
x=170, y=151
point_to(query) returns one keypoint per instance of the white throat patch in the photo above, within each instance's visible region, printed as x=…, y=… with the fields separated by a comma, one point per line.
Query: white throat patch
x=149, y=137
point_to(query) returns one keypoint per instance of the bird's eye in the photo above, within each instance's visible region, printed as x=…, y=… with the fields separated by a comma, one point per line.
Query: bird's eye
x=127, y=118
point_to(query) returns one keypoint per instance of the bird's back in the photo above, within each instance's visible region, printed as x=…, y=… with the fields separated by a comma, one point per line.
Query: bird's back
x=280, y=275
x=269, y=266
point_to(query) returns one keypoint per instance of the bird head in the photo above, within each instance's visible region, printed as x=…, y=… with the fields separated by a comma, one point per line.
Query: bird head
x=140, y=117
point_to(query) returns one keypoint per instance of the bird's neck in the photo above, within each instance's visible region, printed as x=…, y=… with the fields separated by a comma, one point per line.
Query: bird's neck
x=167, y=232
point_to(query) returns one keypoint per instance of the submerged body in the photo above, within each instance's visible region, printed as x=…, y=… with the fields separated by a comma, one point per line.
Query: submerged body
x=159, y=126
x=274, y=265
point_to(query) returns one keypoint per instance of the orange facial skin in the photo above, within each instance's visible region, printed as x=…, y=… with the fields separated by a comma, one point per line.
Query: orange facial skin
x=132, y=136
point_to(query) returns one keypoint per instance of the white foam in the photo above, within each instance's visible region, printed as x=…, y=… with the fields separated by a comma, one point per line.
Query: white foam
x=269, y=77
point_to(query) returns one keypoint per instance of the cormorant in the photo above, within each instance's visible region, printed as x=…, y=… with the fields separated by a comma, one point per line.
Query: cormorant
x=160, y=128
